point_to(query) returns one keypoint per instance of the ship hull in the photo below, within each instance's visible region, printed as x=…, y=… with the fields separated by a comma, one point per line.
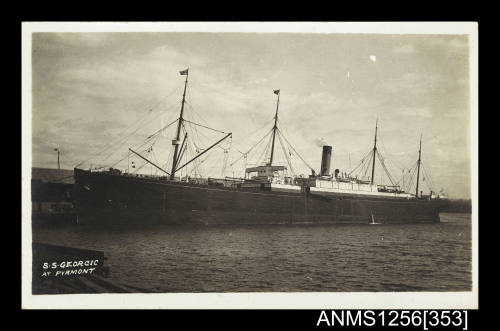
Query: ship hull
x=102, y=198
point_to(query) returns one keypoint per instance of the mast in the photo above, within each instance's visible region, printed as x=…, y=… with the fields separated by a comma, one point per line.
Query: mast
x=374, y=151
x=58, y=164
x=418, y=162
x=176, y=141
x=275, y=127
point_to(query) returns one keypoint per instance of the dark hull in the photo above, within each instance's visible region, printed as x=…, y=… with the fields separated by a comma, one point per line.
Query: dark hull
x=102, y=198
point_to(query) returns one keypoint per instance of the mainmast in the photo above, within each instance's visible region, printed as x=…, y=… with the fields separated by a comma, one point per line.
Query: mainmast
x=58, y=164
x=418, y=162
x=275, y=126
x=374, y=152
x=179, y=125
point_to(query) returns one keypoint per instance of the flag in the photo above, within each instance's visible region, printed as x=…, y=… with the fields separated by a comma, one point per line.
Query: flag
x=277, y=92
x=184, y=72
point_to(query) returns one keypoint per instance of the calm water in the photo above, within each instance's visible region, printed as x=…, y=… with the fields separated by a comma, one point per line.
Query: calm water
x=339, y=257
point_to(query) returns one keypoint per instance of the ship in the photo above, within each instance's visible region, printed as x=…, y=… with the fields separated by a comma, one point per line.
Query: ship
x=266, y=194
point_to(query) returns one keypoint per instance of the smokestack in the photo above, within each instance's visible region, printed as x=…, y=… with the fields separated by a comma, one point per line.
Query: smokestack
x=325, y=160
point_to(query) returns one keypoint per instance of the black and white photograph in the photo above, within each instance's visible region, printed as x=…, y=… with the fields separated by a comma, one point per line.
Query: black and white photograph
x=250, y=165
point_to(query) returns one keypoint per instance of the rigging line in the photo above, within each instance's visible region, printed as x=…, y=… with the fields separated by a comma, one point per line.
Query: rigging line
x=406, y=187
x=367, y=164
x=190, y=104
x=162, y=129
x=216, y=165
x=407, y=174
x=197, y=164
x=382, y=145
x=257, y=156
x=390, y=161
x=381, y=159
x=289, y=161
x=224, y=164
x=165, y=165
x=284, y=137
x=144, y=164
x=132, y=133
x=365, y=172
x=205, y=164
x=385, y=169
x=361, y=163
x=409, y=185
x=149, y=106
x=182, y=150
x=260, y=128
x=211, y=139
x=428, y=178
x=264, y=153
x=401, y=179
x=205, y=151
x=253, y=132
x=194, y=112
x=251, y=148
x=428, y=174
x=188, y=154
x=144, y=143
x=428, y=183
x=198, y=133
x=412, y=177
x=283, y=126
x=197, y=138
x=153, y=154
x=425, y=178
x=114, y=164
x=119, y=137
x=206, y=127
x=237, y=150
x=121, y=160
x=175, y=90
x=285, y=154
x=194, y=150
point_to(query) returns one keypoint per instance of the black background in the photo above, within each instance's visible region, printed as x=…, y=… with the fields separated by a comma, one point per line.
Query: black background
x=235, y=11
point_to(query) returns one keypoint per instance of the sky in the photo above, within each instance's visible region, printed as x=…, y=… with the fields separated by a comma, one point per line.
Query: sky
x=91, y=89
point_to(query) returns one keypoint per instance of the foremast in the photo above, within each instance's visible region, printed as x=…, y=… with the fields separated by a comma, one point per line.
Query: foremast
x=179, y=125
x=178, y=154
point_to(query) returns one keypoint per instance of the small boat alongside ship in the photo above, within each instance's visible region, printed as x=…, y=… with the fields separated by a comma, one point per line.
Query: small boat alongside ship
x=373, y=221
x=267, y=194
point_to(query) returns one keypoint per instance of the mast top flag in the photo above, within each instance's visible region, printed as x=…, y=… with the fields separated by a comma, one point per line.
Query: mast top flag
x=276, y=91
x=184, y=72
